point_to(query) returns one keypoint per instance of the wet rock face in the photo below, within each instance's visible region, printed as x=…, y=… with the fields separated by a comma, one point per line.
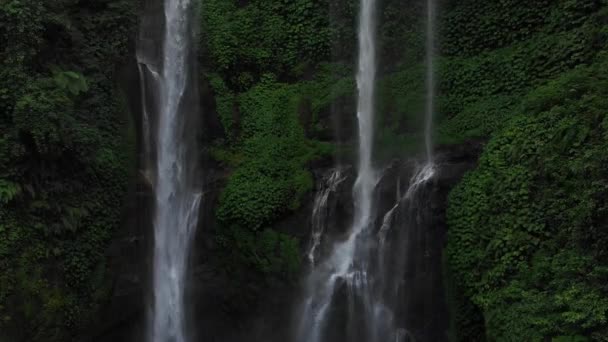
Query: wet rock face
x=417, y=238
x=417, y=242
x=128, y=267
x=406, y=272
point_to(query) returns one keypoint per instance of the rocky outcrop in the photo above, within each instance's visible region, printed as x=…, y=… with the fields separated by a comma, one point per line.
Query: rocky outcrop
x=412, y=257
x=269, y=320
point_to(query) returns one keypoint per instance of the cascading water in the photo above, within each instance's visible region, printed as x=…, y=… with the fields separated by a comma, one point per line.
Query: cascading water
x=430, y=78
x=395, y=245
x=320, y=211
x=406, y=249
x=166, y=82
x=360, y=292
x=342, y=265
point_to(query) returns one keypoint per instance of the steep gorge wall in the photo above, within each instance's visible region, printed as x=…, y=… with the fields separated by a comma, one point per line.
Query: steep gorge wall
x=278, y=97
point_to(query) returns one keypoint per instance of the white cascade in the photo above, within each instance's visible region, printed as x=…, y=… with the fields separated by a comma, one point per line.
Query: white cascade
x=169, y=110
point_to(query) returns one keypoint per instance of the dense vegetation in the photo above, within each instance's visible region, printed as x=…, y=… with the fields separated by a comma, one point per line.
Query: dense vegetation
x=528, y=235
x=65, y=149
x=251, y=54
x=528, y=228
x=280, y=71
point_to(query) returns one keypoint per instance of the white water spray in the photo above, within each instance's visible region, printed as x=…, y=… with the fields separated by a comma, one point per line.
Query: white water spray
x=320, y=211
x=340, y=266
x=358, y=293
x=177, y=198
x=430, y=79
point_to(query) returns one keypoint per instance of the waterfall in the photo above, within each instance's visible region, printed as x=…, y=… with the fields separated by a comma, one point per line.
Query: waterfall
x=372, y=284
x=430, y=79
x=366, y=79
x=168, y=85
x=320, y=211
x=341, y=266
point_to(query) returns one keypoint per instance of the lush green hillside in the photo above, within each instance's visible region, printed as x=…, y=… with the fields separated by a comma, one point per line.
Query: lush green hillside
x=525, y=75
x=528, y=233
x=526, y=251
x=528, y=228
x=65, y=148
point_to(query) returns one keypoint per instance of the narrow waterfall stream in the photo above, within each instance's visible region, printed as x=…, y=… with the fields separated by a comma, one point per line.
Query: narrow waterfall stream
x=345, y=266
x=167, y=81
x=320, y=211
x=430, y=79
x=359, y=292
x=303, y=170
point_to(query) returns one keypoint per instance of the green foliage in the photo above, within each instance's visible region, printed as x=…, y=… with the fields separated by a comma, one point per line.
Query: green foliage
x=491, y=54
x=245, y=41
x=515, y=69
x=276, y=255
x=8, y=191
x=478, y=120
x=570, y=339
x=71, y=81
x=64, y=161
x=225, y=101
x=270, y=152
x=495, y=52
x=526, y=241
x=271, y=179
x=265, y=62
x=269, y=129
x=527, y=235
x=256, y=262
x=401, y=31
x=472, y=27
x=402, y=99
x=401, y=107
x=46, y=116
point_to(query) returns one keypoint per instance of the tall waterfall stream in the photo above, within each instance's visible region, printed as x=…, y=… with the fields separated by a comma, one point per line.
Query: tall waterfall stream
x=171, y=147
x=357, y=293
